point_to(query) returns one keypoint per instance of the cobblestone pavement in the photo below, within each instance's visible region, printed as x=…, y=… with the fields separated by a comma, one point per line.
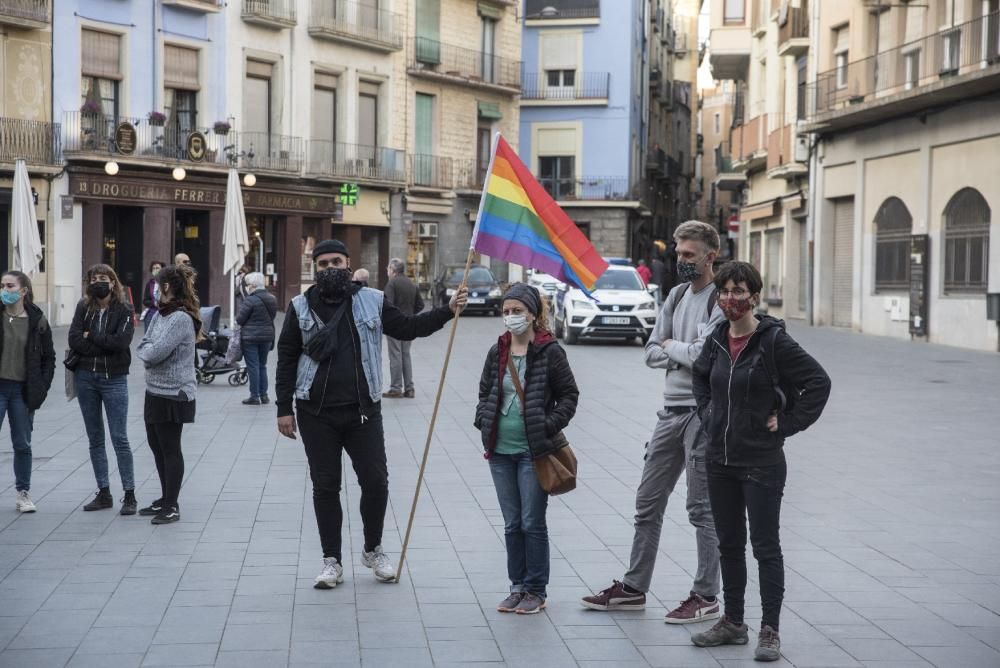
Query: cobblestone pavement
x=890, y=531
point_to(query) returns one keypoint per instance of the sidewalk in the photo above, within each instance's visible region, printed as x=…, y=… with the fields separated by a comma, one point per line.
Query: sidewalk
x=890, y=531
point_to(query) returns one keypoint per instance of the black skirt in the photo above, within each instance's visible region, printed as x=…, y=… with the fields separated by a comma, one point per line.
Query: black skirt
x=160, y=409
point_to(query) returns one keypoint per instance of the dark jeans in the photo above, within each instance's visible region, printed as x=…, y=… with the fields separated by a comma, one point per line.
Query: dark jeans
x=325, y=437
x=165, y=442
x=255, y=354
x=93, y=390
x=523, y=503
x=21, y=420
x=738, y=492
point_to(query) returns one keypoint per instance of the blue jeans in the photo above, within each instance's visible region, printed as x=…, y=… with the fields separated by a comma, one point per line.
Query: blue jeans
x=255, y=354
x=523, y=503
x=12, y=405
x=92, y=390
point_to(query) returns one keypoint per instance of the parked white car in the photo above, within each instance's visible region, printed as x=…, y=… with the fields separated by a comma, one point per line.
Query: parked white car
x=624, y=309
x=547, y=284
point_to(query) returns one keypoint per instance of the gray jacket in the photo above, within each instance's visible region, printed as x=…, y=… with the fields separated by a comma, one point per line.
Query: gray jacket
x=402, y=293
x=167, y=351
x=256, y=317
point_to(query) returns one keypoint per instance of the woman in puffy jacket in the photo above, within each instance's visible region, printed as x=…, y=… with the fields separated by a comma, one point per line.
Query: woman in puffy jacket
x=100, y=335
x=514, y=435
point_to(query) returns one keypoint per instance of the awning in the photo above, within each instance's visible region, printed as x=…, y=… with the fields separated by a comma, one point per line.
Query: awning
x=756, y=211
x=490, y=110
x=441, y=207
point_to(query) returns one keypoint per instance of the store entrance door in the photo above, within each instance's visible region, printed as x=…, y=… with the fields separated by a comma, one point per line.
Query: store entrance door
x=122, y=247
x=191, y=237
x=263, y=255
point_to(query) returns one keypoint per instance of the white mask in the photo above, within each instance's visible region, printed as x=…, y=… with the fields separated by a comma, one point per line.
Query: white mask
x=516, y=324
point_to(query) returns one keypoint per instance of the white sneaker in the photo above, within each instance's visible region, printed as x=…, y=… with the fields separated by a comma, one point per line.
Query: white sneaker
x=332, y=575
x=380, y=564
x=24, y=504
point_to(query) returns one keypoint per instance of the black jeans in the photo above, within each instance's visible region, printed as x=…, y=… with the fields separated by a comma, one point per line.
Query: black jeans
x=735, y=493
x=165, y=442
x=327, y=435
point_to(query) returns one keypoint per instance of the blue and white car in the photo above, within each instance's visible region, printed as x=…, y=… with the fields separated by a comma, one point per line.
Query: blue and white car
x=624, y=309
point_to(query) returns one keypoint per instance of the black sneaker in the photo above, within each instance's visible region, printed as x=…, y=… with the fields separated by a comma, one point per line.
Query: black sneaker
x=152, y=509
x=252, y=401
x=167, y=516
x=102, y=500
x=264, y=399
x=129, y=504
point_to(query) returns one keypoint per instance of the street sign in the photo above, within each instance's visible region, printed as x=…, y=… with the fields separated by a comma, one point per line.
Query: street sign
x=349, y=194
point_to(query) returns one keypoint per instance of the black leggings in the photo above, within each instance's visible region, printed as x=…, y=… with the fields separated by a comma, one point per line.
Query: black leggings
x=165, y=442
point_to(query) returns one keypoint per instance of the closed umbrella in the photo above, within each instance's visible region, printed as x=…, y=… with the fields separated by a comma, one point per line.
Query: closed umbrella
x=234, y=236
x=27, y=245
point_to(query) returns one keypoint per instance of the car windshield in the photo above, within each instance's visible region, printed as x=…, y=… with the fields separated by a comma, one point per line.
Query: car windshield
x=476, y=275
x=619, y=280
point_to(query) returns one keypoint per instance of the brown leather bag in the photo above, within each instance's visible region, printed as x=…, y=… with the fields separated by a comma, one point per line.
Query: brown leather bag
x=556, y=471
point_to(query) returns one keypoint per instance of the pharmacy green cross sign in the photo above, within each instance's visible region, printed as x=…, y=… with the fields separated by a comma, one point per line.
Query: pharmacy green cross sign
x=349, y=194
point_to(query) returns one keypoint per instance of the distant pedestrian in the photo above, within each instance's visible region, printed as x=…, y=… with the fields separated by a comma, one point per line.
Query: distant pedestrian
x=755, y=387
x=151, y=294
x=659, y=271
x=404, y=294
x=101, y=336
x=256, y=321
x=517, y=432
x=182, y=259
x=167, y=350
x=27, y=364
x=644, y=272
x=361, y=277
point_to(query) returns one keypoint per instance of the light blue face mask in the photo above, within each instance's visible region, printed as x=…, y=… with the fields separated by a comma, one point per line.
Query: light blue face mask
x=9, y=298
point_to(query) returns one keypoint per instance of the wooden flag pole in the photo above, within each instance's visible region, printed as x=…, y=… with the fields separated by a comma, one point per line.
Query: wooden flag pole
x=430, y=429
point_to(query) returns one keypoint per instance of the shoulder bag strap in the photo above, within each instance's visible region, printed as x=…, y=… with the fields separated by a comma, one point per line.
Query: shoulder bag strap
x=514, y=378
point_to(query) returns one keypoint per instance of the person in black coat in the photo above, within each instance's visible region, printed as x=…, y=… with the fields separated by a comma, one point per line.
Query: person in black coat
x=256, y=321
x=514, y=435
x=27, y=364
x=151, y=294
x=754, y=386
x=101, y=336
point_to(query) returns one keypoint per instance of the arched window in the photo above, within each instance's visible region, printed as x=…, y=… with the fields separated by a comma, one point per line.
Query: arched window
x=893, y=226
x=966, y=242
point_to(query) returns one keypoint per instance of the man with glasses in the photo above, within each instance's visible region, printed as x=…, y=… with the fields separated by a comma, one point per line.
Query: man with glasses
x=687, y=318
x=330, y=363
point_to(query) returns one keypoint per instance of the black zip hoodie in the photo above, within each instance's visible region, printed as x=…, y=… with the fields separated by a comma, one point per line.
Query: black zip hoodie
x=736, y=397
x=106, y=349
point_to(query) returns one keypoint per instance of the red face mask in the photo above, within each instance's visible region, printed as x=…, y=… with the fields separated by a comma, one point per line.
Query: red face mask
x=734, y=308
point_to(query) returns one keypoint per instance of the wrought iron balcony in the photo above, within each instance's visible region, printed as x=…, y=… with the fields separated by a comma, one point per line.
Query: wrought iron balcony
x=587, y=188
x=35, y=142
x=470, y=174
x=355, y=161
x=542, y=10
x=356, y=23
x=586, y=87
x=431, y=59
x=99, y=137
x=25, y=13
x=265, y=151
x=276, y=14
x=431, y=171
x=210, y=6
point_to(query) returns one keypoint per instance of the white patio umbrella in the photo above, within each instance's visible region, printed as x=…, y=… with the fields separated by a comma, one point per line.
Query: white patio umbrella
x=234, y=237
x=27, y=245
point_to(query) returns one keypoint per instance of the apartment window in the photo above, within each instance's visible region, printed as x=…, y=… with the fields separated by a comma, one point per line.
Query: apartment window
x=841, y=43
x=893, y=226
x=423, y=160
x=734, y=12
x=559, y=52
x=488, y=42
x=368, y=114
x=257, y=97
x=967, y=242
x=950, y=44
x=101, y=73
x=560, y=78
x=180, y=95
x=484, y=145
x=428, y=39
x=911, y=62
x=717, y=122
x=322, y=147
x=800, y=97
x=556, y=174
x=755, y=242
x=774, y=272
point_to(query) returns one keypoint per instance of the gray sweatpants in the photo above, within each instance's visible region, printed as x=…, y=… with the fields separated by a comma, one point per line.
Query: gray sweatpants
x=400, y=370
x=677, y=444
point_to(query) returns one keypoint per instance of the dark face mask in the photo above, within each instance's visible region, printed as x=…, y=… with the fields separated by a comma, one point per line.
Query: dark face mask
x=99, y=290
x=688, y=271
x=333, y=283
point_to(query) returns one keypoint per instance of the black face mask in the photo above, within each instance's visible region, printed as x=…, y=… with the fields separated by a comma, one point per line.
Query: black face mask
x=99, y=290
x=333, y=283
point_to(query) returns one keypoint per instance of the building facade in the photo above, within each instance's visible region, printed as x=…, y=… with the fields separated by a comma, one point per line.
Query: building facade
x=904, y=107
x=715, y=118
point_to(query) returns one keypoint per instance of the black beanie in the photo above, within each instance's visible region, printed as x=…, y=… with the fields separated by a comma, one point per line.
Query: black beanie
x=330, y=246
x=527, y=295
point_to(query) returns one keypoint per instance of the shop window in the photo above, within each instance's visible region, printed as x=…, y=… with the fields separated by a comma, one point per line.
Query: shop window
x=967, y=242
x=893, y=226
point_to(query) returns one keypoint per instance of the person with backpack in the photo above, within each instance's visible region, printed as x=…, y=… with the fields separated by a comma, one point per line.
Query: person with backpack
x=755, y=386
x=256, y=321
x=677, y=445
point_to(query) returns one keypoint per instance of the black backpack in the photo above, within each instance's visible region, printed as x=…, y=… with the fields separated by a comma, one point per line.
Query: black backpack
x=713, y=298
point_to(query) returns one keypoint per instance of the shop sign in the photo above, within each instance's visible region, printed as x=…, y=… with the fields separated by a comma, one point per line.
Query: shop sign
x=66, y=207
x=349, y=194
x=196, y=147
x=125, y=138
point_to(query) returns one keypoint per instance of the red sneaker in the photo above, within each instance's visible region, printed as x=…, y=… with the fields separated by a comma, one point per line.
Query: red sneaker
x=693, y=609
x=615, y=598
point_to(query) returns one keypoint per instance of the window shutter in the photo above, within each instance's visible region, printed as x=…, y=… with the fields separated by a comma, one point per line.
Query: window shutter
x=260, y=69
x=559, y=51
x=842, y=40
x=101, y=54
x=914, y=23
x=324, y=80
x=368, y=88
x=429, y=20
x=885, y=31
x=553, y=141
x=180, y=68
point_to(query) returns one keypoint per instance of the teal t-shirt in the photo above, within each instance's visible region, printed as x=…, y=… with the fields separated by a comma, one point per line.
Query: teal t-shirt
x=511, y=436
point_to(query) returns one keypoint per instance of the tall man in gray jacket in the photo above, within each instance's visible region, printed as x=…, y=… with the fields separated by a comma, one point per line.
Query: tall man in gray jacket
x=402, y=293
x=687, y=318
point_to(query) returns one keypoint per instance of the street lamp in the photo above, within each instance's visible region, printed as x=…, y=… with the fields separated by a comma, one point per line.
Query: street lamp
x=111, y=168
x=179, y=173
x=249, y=180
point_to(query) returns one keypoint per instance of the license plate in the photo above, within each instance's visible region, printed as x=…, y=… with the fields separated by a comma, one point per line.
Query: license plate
x=477, y=300
x=616, y=321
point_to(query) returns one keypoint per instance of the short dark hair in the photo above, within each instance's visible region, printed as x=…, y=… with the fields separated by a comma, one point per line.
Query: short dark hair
x=739, y=272
x=157, y=262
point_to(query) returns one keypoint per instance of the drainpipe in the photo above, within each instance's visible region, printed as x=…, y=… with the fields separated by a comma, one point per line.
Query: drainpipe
x=812, y=78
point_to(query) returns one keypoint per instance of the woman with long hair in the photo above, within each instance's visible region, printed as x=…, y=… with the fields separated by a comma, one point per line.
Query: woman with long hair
x=101, y=336
x=151, y=294
x=27, y=363
x=167, y=350
x=516, y=433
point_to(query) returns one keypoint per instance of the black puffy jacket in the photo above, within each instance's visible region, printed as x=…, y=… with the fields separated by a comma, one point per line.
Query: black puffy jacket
x=40, y=358
x=736, y=398
x=256, y=317
x=549, y=388
x=106, y=349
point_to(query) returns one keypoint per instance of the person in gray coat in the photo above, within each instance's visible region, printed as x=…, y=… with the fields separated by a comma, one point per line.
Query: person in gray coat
x=402, y=293
x=256, y=321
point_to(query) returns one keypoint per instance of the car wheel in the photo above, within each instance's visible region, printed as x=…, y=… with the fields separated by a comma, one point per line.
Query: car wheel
x=572, y=336
x=558, y=328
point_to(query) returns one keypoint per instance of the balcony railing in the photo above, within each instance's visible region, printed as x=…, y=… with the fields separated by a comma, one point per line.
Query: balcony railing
x=795, y=27
x=36, y=142
x=26, y=13
x=280, y=153
x=97, y=135
x=562, y=9
x=963, y=49
x=444, y=61
x=587, y=188
x=355, y=161
x=470, y=174
x=431, y=171
x=586, y=86
x=748, y=139
x=344, y=20
x=271, y=13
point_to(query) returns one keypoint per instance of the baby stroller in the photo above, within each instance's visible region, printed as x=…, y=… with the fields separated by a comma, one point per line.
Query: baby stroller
x=216, y=356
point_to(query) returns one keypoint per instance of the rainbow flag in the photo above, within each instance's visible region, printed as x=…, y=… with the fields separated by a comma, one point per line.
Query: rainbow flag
x=519, y=222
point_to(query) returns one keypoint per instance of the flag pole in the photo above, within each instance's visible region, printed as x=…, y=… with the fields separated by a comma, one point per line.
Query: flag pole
x=444, y=371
